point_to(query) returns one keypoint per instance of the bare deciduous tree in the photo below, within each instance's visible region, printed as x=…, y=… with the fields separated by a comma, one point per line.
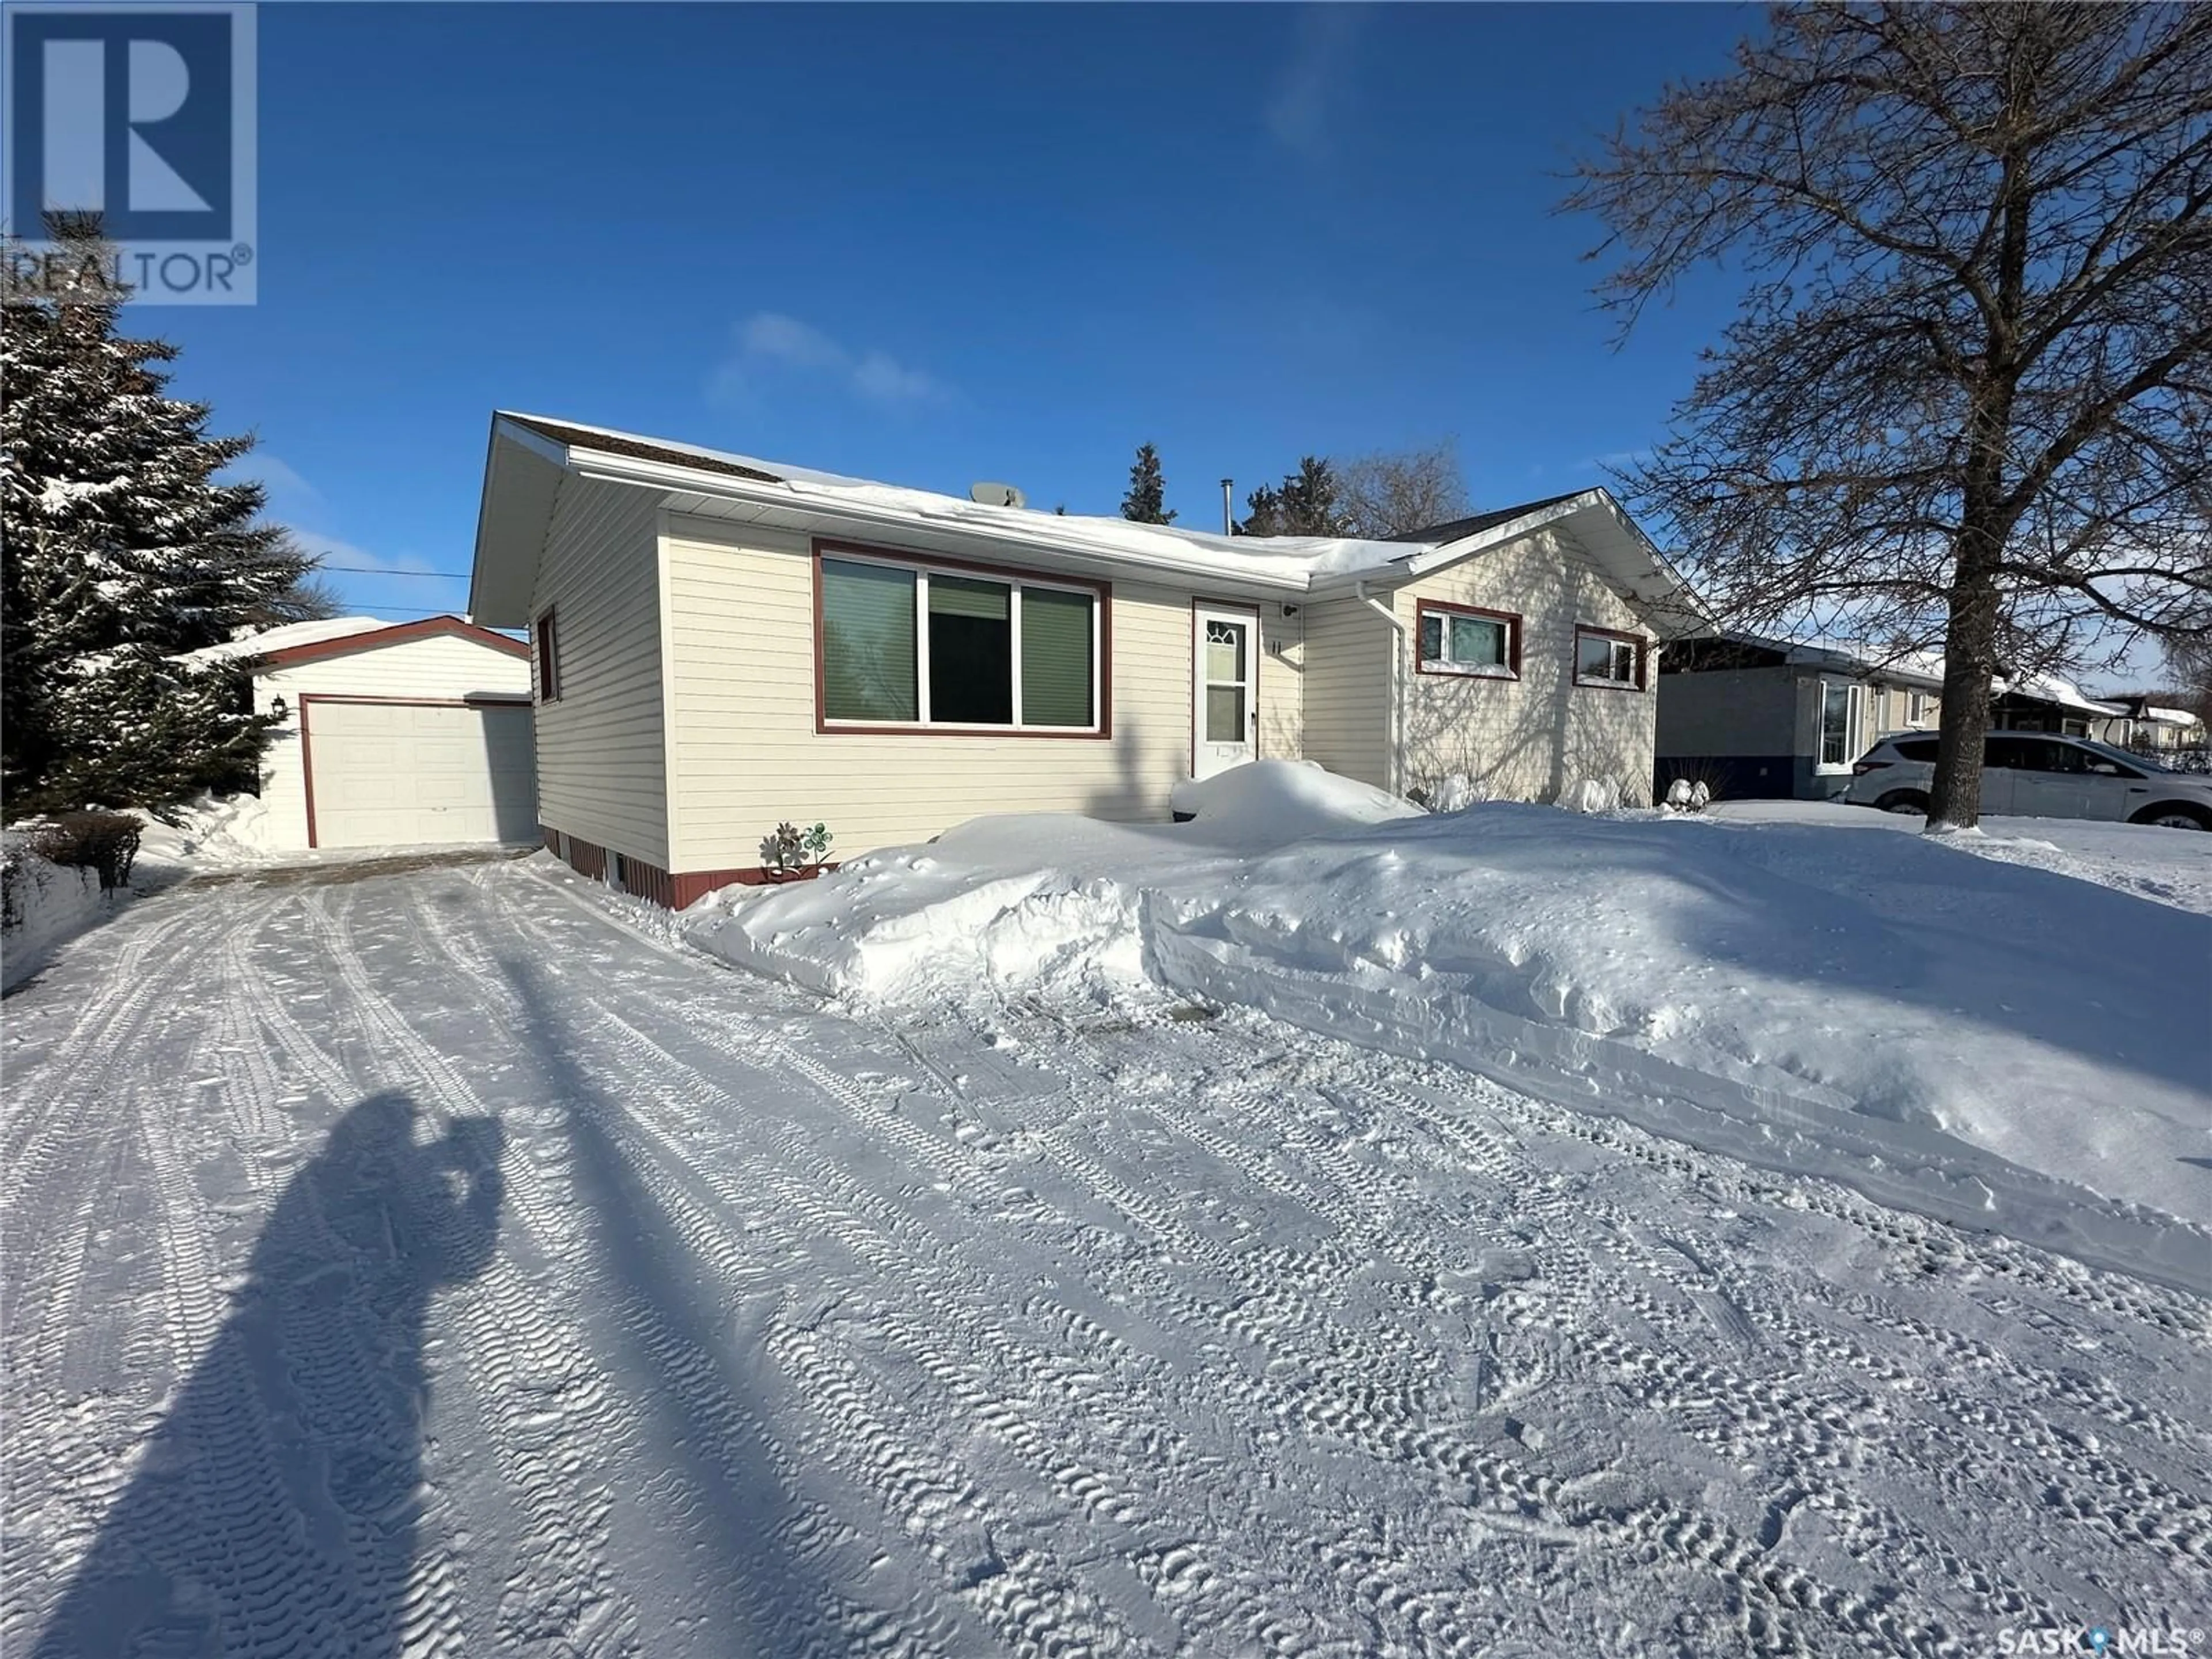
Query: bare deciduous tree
x=1967, y=399
x=1383, y=496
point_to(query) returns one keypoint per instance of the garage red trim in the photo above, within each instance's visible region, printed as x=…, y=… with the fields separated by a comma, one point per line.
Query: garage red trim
x=493, y=699
x=398, y=634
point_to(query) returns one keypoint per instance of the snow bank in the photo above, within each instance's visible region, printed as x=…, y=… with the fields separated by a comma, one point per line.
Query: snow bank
x=1999, y=1045
x=47, y=905
x=1271, y=802
x=212, y=832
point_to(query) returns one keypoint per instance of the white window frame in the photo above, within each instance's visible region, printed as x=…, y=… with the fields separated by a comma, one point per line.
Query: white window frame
x=1854, y=727
x=831, y=552
x=1506, y=622
x=1916, y=707
x=1614, y=637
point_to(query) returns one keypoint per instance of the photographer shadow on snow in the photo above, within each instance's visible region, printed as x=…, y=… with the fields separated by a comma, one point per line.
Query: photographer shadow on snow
x=276, y=1504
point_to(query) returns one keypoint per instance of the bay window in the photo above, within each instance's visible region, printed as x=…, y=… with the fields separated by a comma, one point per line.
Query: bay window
x=902, y=643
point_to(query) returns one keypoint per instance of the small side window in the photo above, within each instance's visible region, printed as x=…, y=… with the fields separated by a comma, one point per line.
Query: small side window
x=545, y=637
x=1607, y=658
x=1917, y=749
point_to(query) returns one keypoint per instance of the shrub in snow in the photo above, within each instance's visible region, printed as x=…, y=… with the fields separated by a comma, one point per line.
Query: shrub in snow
x=1685, y=796
x=1591, y=795
x=789, y=850
x=1453, y=793
x=105, y=843
x=41, y=903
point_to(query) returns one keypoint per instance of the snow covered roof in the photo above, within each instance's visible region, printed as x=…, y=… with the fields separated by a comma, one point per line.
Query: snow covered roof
x=284, y=638
x=529, y=454
x=2051, y=688
x=1920, y=668
x=297, y=642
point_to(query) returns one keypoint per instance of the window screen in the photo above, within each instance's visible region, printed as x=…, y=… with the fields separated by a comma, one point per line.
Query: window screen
x=868, y=642
x=1056, y=675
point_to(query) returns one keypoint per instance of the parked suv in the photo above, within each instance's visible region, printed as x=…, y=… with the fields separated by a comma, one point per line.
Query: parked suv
x=2037, y=775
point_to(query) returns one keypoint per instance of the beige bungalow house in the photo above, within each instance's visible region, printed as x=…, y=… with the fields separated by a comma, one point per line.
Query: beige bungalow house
x=721, y=643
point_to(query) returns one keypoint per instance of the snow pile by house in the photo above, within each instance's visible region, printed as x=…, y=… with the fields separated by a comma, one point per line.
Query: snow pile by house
x=1999, y=1045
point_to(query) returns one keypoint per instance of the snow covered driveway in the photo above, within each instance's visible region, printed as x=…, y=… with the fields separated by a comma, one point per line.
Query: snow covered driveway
x=429, y=1264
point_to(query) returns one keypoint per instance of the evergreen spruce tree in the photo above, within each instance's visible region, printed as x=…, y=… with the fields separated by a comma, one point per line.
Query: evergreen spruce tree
x=1303, y=504
x=122, y=552
x=1145, y=502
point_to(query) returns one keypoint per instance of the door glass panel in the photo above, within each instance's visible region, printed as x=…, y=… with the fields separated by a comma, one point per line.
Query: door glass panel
x=1835, y=723
x=1224, y=651
x=1225, y=714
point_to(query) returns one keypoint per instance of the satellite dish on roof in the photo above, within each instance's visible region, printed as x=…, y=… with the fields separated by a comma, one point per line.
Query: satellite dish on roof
x=997, y=495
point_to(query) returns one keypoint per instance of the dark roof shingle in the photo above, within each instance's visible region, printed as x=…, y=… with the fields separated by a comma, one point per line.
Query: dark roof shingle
x=1455, y=528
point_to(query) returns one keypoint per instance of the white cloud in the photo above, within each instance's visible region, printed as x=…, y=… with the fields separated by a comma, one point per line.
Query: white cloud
x=1312, y=85
x=770, y=343
x=284, y=484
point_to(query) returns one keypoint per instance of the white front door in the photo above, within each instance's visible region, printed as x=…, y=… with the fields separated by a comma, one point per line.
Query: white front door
x=1225, y=707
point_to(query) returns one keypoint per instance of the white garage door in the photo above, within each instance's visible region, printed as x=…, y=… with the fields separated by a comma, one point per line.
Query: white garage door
x=413, y=774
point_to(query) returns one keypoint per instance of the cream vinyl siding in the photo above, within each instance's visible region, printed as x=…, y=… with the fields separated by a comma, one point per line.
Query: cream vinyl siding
x=441, y=668
x=1539, y=736
x=1347, y=690
x=1282, y=683
x=601, y=765
x=747, y=755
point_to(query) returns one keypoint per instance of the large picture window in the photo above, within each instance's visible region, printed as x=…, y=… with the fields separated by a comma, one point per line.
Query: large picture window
x=911, y=644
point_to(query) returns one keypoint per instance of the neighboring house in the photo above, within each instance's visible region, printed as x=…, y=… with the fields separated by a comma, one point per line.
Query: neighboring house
x=2044, y=702
x=1761, y=719
x=2147, y=725
x=392, y=735
x=722, y=644
x=1758, y=717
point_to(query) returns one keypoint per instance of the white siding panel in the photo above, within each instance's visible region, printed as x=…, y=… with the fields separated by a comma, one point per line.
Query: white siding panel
x=1282, y=683
x=747, y=754
x=602, y=769
x=1347, y=689
x=440, y=666
x=1535, y=738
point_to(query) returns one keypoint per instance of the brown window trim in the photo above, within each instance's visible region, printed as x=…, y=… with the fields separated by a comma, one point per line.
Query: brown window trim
x=1103, y=732
x=1445, y=608
x=545, y=654
x=1643, y=658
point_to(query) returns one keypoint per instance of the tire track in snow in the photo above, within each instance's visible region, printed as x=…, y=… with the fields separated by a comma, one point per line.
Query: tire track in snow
x=891, y=1243
x=1371, y=1416
x=543, y=1401
x=1233, y=1602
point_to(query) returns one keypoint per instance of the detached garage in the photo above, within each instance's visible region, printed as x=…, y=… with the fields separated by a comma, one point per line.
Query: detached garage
x=411, y=735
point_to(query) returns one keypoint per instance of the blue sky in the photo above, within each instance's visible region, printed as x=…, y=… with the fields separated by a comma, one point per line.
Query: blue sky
x=932, y=246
